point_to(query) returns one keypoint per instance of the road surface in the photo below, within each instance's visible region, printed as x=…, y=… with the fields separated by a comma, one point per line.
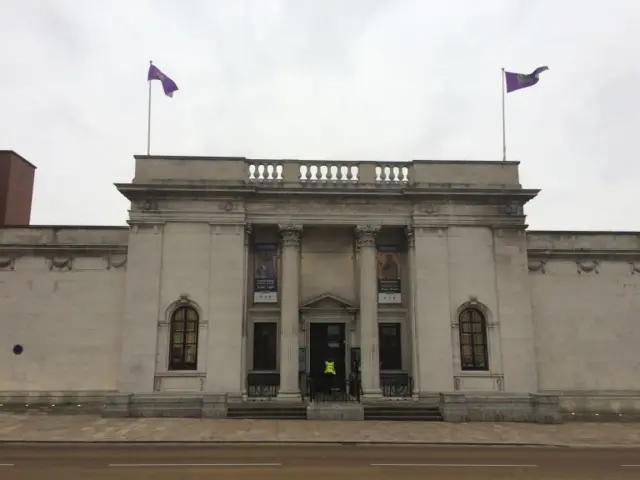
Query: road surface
x=309, y=462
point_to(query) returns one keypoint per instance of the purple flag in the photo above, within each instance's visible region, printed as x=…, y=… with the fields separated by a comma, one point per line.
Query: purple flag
x=516, y=81
x=168, y=85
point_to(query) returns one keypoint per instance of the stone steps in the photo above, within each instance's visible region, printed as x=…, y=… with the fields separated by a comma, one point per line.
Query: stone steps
x=267, y=411
x=402, y=412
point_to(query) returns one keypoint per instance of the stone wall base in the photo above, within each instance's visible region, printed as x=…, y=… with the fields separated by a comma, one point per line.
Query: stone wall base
x=62, y=402
x=599, y=406
x=477, y=407
x=542, y=407
x=165, y=405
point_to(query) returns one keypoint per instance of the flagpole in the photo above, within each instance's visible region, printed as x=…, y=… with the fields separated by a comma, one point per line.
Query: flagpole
x=149, y=116
x=504, y=129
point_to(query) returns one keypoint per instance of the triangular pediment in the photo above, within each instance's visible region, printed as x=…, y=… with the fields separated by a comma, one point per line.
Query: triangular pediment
x=328, y=301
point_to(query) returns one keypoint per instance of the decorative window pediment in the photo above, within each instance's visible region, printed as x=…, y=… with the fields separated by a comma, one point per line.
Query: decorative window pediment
x=328, y=301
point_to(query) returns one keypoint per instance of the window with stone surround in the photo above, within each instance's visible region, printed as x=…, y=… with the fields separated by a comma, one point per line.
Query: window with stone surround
x=265, y=346
x=390, y=346
x=183, y=341
x=474, y=352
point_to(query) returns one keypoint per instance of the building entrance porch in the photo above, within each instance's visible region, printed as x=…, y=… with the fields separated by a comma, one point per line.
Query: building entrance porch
x=327, y=342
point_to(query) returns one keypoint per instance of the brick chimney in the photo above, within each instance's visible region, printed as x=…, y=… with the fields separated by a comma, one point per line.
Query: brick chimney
x=16, y=189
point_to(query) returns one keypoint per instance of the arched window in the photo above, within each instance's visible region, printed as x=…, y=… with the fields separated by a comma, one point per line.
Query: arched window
x=183, y=341
x=474, y=354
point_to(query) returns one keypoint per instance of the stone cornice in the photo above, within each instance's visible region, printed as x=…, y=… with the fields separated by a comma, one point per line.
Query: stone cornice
x=584, y=233
x=584, y=254
x=63, y=250
x=167, y=189
x=212, y=189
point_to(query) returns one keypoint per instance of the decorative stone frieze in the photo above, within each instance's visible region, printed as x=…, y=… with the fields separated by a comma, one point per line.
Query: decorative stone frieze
x=115, y=261
x=588, y=267
x=8, y=263
x=226, y=206
x=634, y=268
x=147, y=205
x=429, y=208
x=512, y=208
x=537, y=266
x=56, y=263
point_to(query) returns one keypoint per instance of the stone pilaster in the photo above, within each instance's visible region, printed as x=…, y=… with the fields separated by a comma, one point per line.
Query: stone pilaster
x=245, y=320
x=289, y=314
x=370, y=357
x=415, y=347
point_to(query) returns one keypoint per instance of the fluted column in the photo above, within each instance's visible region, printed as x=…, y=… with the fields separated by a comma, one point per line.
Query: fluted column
x=415, y=334
x=289, y=305
x=370, y=357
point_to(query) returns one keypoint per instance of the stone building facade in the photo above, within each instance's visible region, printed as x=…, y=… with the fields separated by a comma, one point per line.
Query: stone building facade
x=238, y=277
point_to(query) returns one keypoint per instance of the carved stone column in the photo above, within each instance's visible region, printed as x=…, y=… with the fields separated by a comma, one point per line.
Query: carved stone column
x=415, y=334
x=370, y=356
x=245, y=317
x=289, y=314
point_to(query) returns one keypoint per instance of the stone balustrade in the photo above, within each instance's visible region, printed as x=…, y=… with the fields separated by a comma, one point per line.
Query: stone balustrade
x=198, y=171
x=319, y=172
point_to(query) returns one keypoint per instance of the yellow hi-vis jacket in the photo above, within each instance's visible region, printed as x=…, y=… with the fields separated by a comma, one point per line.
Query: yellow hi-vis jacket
x=329, y=368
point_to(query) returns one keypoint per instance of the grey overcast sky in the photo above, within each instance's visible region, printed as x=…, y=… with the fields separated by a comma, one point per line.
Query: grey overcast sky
x=317, y=79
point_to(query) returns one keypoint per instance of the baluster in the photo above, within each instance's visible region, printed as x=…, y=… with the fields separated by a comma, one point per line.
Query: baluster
x=308, y=174
x=343, y=173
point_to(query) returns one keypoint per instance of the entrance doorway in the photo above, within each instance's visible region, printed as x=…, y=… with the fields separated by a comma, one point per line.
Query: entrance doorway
x=327, y=341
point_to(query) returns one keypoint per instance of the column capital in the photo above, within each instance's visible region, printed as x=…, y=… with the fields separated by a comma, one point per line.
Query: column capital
x=290, y=234
x=366, y=235
x=410, y=233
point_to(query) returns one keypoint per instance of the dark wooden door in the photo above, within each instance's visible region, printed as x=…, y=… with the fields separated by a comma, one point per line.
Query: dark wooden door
x=327, y=342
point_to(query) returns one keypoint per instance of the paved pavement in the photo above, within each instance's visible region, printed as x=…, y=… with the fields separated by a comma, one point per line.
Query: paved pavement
x=91, y=428
x=82, y=462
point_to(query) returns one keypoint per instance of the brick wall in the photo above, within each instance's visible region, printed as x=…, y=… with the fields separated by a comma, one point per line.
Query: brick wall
x=16, y=189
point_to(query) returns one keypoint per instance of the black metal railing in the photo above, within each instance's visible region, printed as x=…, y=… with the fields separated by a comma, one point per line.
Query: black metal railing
x=396, y=385
x=263, y=385
x=323, y=389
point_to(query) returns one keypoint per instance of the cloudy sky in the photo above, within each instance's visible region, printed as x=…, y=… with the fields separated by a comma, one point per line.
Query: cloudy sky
x=346, y=79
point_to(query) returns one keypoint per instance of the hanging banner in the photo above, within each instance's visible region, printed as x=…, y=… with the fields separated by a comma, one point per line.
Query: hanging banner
x=389, y=274
x=265, y=273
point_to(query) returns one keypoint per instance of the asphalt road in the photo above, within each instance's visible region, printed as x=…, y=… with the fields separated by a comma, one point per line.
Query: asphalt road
x=159, y=462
